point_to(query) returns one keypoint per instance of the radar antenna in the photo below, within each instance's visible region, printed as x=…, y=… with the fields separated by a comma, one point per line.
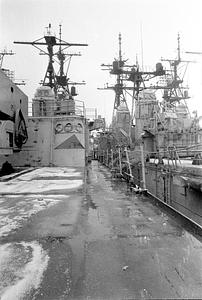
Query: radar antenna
x=50, y=40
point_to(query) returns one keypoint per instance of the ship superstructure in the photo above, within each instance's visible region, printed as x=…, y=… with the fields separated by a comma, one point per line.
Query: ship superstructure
x=13, y=112
x=130, y=83
x=162, y=123
x=163, y=156
x=169, y=123
x=57, y=128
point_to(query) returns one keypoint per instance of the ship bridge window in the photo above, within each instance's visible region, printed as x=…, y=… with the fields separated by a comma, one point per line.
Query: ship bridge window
x=79, y=127
x=68, y=127
x=58, y=128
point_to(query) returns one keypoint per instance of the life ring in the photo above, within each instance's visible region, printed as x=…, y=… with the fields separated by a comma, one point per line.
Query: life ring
x=20, y=129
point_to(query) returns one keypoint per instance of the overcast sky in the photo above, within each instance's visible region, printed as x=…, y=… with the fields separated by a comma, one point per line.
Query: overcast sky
x=98, y=23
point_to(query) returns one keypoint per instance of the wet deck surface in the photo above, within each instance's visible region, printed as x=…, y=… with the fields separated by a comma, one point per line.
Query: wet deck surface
x=62, y=238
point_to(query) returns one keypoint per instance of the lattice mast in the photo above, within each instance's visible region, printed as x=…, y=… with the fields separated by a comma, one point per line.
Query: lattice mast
x=174, y=91
x=51, y=79
x=116, y=68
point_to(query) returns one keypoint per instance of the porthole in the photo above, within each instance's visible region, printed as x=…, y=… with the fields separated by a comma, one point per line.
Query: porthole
x=79, y=127
x=68, y=127
x=58, y=128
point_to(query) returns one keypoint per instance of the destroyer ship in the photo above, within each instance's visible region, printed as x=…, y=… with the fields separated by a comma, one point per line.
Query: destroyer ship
x=156, y=144
x=55, y=131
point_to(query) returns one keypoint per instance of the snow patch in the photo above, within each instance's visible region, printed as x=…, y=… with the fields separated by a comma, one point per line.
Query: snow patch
x=38, y=186
x=19, y=279
x=50, y=172
x=24, y=210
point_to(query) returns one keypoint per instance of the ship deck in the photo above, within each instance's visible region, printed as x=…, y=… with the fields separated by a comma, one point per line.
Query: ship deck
x=79, y=234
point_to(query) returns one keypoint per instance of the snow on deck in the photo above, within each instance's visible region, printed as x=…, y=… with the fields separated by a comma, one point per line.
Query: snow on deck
x=30, y=193
x=43, y=180
x=22, y=264
x=21, y=269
